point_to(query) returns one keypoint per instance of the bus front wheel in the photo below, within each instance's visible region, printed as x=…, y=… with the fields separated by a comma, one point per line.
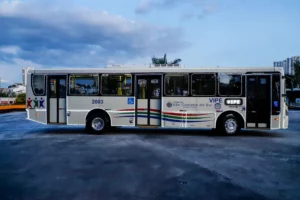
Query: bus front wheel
x=230, y=125
x=96, y=124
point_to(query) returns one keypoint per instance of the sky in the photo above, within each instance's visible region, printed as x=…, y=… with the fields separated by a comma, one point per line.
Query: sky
x=95, y=33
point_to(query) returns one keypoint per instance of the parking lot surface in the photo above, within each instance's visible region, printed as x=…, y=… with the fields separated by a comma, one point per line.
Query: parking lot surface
x=53, y=162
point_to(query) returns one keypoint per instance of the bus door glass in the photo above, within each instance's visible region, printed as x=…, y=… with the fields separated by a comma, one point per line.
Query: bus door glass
x=258, y=88
x=57, y=99
x=148, y=95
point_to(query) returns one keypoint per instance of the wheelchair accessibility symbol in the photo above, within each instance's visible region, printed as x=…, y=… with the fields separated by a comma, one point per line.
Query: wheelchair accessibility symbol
x=130, y=100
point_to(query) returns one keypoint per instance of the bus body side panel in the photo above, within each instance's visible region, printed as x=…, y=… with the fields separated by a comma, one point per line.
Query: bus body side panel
x=142, y=109
x=278, y=120
x=285, y=123
x=284, y=106
x=35, y=105
x=285, y=120
x=185, y=112
x=121, y=110
x=155, y=104
x=239, y=109
x=197, y=112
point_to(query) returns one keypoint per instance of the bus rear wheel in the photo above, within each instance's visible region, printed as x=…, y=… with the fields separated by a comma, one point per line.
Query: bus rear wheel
x=230, y=125
x=96, y=124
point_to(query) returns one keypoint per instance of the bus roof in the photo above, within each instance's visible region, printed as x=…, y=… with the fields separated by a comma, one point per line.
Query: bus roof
x=155, y=69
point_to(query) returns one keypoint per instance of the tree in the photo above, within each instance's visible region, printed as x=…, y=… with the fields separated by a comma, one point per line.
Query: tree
x=294, y=81
x=3, y=94
x=21, y=98
x=297, y=74
x=164, y=61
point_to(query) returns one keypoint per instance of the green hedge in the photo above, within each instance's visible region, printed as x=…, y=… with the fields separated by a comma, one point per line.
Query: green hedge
x=21, y=99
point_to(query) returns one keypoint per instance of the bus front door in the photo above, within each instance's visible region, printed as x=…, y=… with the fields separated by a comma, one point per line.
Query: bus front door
x=56, y=99
x=259, y=98
x=148, y=95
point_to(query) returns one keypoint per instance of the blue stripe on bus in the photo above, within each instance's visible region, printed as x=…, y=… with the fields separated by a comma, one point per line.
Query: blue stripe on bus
x=182, y=120
x=166, y=119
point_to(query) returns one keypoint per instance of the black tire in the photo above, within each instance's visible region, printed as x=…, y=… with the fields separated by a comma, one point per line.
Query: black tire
x=230, y=125
x=96, y=124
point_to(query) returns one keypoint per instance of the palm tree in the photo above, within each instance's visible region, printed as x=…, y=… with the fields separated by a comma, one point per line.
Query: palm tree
x=164, y=61
x=297, y=73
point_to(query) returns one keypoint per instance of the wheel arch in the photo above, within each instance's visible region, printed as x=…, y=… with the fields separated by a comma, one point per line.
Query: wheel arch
x=238, y=116
x=100, y=112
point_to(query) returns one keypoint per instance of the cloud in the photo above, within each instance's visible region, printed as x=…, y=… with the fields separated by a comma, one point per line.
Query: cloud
x=9, y=49
x=11, y=72
x=80, y=31
x=196, y=8
x=187, y=16
x=146, y=6
x=48, y=34
x=207, y=10
x=4, y=81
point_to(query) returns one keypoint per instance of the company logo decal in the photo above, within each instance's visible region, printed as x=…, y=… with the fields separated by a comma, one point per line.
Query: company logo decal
x=218, y=106
x=37, y=103
x=169, y=104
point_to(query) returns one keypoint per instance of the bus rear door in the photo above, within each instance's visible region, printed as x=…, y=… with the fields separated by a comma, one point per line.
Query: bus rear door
x=258, y=94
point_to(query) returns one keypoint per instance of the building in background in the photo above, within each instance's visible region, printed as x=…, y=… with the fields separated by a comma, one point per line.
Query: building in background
x=17, y=88
x=13, y=90
x=4, y=90
x=288, y=65
x=7, y=100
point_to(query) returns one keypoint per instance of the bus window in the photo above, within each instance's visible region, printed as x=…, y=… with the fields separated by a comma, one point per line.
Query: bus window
x=177, y=85
x=38, y=85
x=203, y=84
x=142, y=88
x=276, y=94
x=297, y=94
x=62, y=88
x=84, y=85
x=52, y=92
x=288, y=97
x=155, y=85
x=116, y=84
x=230, y=85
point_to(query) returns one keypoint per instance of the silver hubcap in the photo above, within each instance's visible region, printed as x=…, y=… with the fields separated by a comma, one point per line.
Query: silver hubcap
x=231, y=126
x=98, y=124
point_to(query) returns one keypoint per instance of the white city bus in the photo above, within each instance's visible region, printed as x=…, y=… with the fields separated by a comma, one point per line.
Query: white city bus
x=167, y=96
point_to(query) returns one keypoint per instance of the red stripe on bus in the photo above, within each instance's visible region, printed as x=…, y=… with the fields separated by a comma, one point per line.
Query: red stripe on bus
x=130, y=109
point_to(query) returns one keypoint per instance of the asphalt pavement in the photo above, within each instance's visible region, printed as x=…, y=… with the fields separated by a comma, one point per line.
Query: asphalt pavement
x=54, y=162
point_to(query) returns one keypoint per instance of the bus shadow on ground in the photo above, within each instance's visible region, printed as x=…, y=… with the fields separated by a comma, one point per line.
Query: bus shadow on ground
x=158, y=132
